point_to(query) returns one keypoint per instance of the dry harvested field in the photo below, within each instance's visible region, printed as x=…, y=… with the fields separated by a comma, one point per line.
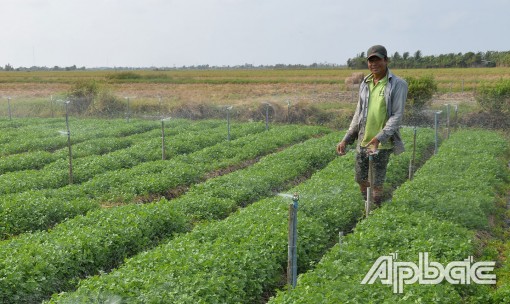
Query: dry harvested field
x=186, y=93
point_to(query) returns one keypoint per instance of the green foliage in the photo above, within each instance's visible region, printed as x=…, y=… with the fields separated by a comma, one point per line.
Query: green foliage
x=84, y=89
x=494, y=98
x=137, y=77
x=241, y=258
x=127, y=173
x=237, y=259
x=103, y=238
x=421, y=90
x=431, y=213
x=82, y=95
x=451, y=60
x=124, y=76
x=93, y=97
x=107, y=104
x=450, y=186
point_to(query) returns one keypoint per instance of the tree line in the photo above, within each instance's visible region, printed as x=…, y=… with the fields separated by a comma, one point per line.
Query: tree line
x=400, y=61
x=451, y=60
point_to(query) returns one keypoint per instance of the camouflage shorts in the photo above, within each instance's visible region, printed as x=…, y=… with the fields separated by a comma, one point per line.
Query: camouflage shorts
x=380, y=162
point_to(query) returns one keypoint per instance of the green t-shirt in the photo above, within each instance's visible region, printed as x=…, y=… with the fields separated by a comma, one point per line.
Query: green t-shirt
x=376, y=116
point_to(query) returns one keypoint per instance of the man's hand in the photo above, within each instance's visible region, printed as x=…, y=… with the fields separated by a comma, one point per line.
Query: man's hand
x=374, y=143
x=340, y=148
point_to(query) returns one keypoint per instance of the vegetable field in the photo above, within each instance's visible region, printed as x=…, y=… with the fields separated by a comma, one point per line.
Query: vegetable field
x=201, y=217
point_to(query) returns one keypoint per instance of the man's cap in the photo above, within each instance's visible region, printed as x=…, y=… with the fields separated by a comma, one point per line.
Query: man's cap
x=377, y=50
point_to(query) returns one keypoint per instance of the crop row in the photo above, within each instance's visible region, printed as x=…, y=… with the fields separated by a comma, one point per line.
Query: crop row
x=49, y=145
x=502, y=292
x=112, y=137
x=36, y=265
x=47, y=137
x=239, y=259
x=56, y=174
x=36, y=210
x=453, y=193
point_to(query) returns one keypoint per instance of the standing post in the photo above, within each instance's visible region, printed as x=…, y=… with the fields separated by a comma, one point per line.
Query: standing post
x=436, y=126
x=368, y=204
x=52, y=110
x=9, y=106
x=447, y=121
x=127, y=109
x=267, y=116
x=163, y=154
x=292, y=250
x=69, y=145
x=288, y=111
x=228, y=122
x=456, y=113
x=411, y=161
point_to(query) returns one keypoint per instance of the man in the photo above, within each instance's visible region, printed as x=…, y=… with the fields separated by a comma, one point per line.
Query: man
x=376, y=122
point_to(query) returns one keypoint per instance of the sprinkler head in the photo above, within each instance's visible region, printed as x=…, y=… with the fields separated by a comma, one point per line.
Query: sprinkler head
x=295, y=197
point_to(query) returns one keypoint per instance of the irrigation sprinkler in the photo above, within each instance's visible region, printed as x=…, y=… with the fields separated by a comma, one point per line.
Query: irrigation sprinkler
x=229, y=108
x=51, y=106
x=68, y=133
x=9, y=107
x=288, y=111
x=267, y=115
x=447, y=121
x=456, y=113
x=436, y=126
x=411, y=161
x=127, y=109
x=292, y=250
x=163, y=151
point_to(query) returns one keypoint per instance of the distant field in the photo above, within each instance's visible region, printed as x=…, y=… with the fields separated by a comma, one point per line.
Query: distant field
x=151, y=91
x=312, y=76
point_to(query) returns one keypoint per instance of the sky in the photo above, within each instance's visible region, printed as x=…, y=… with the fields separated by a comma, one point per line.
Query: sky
x=175, y=33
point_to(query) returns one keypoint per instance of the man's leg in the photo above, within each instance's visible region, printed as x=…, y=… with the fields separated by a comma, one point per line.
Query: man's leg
x=361, y=170
x=380, y=164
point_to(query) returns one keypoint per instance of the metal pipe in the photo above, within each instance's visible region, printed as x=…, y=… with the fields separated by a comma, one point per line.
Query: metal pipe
x=228, y=124
x=52, y=110
x=456, y=113
x=447, y=121
x=370, y=198
x=163, y=153
x=368, y=203
x=127, y=109
x=436, y=126
x=292, y=239
x=288, y=110
x=411, y=161
x=9, y=105
x=69, y=145
x=267, y=116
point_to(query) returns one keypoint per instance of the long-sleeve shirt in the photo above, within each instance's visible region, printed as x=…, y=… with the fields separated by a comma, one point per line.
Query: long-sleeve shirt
x=395, y=96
